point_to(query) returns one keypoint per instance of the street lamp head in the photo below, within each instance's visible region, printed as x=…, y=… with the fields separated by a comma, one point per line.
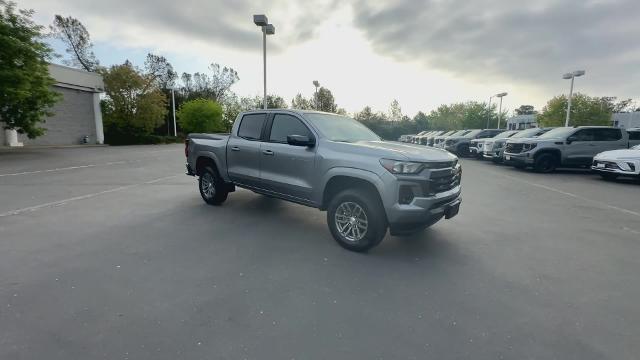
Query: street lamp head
x=316, y=83
x=260, y=20
x=270, y=29
x=501, y=94
x=578, y=73
x=567, y=76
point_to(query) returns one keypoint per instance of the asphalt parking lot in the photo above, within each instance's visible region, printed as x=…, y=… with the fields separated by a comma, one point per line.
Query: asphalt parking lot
x=110, y=253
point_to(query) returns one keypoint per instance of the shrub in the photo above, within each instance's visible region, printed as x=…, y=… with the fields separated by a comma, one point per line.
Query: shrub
x=200, y=116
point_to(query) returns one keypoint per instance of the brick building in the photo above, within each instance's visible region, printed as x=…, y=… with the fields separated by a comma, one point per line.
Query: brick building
x=77, y=116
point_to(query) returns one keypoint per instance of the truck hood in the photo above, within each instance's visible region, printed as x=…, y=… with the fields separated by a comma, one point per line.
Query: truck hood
x=457, y=138
x=623, y=154
x=533, y=140
x=401, y=151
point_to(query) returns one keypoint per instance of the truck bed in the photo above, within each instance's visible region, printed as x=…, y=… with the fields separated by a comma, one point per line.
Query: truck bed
x=212, y=146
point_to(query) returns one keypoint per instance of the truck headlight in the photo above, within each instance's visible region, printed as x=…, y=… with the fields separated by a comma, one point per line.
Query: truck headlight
x=528, y=147
x=401, y=167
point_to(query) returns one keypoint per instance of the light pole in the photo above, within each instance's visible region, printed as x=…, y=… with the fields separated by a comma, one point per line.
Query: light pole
x=571, y=76
x=267, y=29
x=316, y=84
x=173, y=108
x=501, y=95
x=489, y=112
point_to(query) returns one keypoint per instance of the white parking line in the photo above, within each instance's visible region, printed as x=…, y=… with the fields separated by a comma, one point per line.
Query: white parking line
x=549, y=188
x=63, y=169
x=82, y=197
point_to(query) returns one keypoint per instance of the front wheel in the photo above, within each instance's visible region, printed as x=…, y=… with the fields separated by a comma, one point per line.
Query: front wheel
x=212, y=187
x=356, y=220
x=545, y=163
x=463, y=150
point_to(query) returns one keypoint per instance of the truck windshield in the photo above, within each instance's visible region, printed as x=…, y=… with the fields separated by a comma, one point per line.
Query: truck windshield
x=505, y=134
x=341, y=128
x=472, y=133
x=560, y=132
x=528, y=133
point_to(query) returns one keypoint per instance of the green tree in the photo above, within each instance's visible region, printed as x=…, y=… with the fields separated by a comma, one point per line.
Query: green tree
x=25, y=85
x=585, y=110
x=301, y=103
x=422, y=121
x=395, y=111
x=133, y=104
x=160, y=71
x=525, y=110
x=468, y=115
x=76, y=37
x=214, y=86
x=326, y=101
x=201, y=116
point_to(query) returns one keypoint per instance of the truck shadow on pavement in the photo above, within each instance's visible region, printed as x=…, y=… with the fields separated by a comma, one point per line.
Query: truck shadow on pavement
x=287, y=224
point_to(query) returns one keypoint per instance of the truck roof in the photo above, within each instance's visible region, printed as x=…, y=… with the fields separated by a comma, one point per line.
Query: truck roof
x=295, y=111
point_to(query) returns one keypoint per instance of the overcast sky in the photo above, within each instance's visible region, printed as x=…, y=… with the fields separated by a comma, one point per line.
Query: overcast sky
x=421, y=52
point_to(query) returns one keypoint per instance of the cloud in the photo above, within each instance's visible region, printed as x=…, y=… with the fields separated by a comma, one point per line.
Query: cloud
x=534, y=42
x=226, y=23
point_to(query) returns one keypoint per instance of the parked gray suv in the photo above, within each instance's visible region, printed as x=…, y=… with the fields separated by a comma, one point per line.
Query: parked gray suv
x=564, y=147
x=333, y=163
x=459, y=144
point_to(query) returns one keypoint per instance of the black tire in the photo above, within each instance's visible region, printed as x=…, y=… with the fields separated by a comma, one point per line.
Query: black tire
x=463, y=150
x=545, y=163
x=609, y=176
x=212, y=187
x=376, y=222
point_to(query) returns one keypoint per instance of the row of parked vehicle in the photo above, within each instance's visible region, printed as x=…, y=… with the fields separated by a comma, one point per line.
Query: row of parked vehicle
x=609, y=151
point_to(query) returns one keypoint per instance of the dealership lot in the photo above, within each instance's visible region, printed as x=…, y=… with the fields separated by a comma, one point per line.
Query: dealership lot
x=111, y=253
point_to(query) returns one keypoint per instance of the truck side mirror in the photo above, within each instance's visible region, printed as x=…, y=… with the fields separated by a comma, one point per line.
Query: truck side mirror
x=571, y=139
x=301, y=140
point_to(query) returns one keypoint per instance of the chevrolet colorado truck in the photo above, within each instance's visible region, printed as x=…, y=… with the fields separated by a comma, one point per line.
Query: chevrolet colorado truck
x=332, y=163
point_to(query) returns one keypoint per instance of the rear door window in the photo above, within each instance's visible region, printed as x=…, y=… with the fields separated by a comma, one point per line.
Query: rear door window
x=634, y=135
x=607, y=134
x=584, y=135
x=251, y=126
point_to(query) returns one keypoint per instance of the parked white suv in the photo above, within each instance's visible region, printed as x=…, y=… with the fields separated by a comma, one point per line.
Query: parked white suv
x=614, y=163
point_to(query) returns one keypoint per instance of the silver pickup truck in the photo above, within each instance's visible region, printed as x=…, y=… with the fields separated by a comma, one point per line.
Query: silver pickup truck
x=332, y=163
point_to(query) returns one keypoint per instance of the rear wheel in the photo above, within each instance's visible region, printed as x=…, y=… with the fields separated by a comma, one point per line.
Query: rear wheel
x=609, y=176
x=545, y=163
x=212, y=187
x=356, y=220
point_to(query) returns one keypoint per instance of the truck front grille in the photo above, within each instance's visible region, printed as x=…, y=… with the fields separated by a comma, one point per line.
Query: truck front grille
x=443, y=180
x=514, y=148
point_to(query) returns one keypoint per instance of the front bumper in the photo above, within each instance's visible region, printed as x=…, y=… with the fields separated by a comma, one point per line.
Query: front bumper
x=620, y=167
x=423, y=210
x=495, y=154
x=518, y=159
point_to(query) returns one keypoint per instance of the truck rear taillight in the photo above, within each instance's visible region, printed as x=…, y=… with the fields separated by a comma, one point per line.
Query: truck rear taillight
x=186, y=147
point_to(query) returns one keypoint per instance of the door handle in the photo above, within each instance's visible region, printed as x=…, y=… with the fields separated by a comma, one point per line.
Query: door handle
x=267, y=152
x=235, y=148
